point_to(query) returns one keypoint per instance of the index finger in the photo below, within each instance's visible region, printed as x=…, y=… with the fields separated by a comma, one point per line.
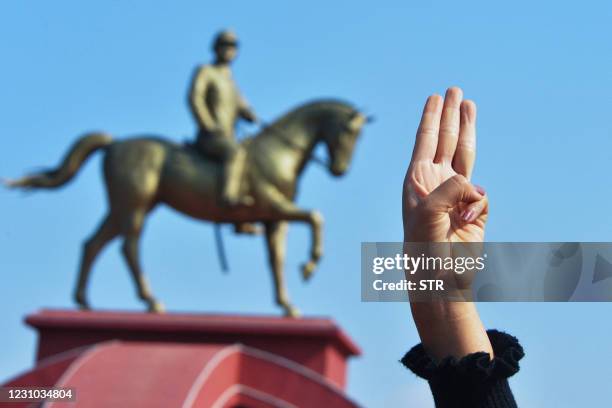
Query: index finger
x=427, y=134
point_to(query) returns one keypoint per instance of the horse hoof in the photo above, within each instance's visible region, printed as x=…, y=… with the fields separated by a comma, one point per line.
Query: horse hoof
x=308, y=269
x=82, y=304
x=157, y=307
x=292, y=312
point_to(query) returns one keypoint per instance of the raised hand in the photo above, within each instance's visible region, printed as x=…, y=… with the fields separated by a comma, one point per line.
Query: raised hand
x=441, y=205
x=439, y=202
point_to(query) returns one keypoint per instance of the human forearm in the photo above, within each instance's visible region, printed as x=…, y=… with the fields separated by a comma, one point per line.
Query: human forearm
x=450, y=329
x=465, y=365
x=200, y=111
x=248, y=114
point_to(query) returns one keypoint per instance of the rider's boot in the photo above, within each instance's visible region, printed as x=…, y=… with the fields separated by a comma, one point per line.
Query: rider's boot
x=231, y=196
x=232, y=172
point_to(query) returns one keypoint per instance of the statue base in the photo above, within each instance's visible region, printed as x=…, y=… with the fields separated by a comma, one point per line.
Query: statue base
x=189, y=360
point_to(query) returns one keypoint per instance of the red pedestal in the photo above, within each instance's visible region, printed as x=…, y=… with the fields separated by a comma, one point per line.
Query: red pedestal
x=190, y=360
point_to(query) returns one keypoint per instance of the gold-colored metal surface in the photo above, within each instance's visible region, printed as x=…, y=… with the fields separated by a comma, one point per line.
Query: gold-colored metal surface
x=217, y=105
x=142, y=172
x=216, y=179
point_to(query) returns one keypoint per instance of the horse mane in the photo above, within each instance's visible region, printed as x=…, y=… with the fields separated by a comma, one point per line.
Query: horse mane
x=332, y=105
x=324, y=103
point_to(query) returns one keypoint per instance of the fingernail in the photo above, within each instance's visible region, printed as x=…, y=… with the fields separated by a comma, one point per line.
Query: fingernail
x=480, y=190
x=466, y=215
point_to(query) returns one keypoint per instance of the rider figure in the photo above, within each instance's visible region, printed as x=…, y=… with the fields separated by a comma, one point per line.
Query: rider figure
x=217, y=105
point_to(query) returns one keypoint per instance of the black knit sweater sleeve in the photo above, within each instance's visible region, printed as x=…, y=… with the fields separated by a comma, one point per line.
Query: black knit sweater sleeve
x=474, y=381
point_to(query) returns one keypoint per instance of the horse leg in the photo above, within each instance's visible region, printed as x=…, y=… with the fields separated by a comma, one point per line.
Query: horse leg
x=276, y=233
x=132, y=227
x=288, y=211
x=92, y=247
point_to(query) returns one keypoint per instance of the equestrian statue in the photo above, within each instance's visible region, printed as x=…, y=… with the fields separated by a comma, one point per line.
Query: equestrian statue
x=249, y=184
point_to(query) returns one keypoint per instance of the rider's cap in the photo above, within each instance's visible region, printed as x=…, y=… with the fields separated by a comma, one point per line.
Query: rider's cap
x=227, y=38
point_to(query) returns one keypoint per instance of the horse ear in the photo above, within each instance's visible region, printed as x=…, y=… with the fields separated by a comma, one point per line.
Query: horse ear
x=356, y=121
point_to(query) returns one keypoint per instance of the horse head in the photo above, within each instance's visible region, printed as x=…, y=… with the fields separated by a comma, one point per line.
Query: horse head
x=335, y=123
x=340, y=132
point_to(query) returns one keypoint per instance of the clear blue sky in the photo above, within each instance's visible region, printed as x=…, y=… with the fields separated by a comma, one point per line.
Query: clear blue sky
x=539, y=71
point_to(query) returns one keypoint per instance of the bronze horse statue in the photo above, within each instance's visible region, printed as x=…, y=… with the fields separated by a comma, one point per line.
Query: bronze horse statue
x=143, y=172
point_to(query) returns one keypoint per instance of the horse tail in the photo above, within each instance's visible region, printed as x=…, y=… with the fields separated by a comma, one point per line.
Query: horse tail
x=73, y=160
